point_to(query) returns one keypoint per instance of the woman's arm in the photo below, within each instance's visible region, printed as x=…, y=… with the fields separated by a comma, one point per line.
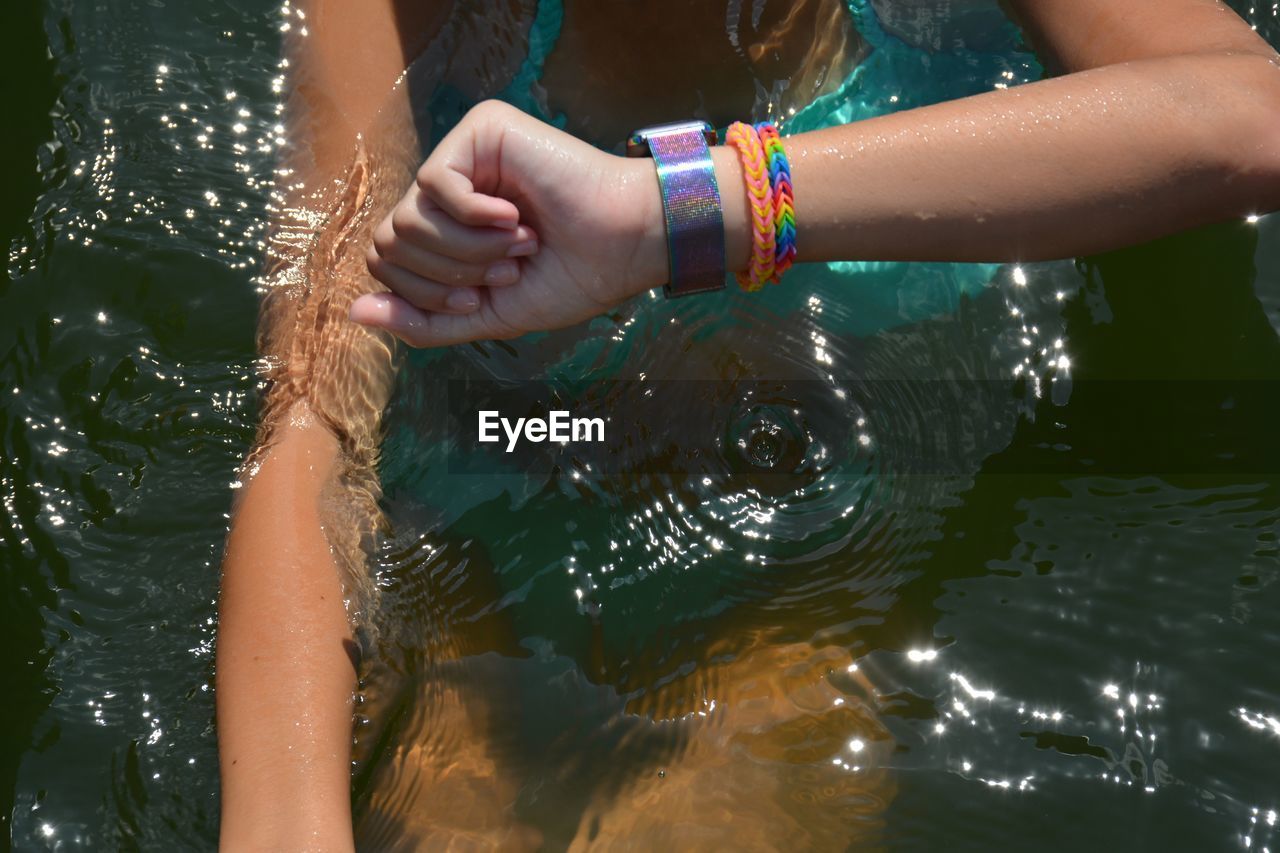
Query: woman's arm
x=285, y=654
x=1168, y=122
x=285, y=674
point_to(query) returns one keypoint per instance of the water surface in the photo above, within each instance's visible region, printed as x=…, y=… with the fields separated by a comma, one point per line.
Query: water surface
x=1062, y=608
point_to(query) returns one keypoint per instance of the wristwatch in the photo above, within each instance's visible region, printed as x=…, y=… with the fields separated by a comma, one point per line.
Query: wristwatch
x=690, y=203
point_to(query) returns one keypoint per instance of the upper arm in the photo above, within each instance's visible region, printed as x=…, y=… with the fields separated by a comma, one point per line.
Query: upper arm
x=345, y=57
x=1074, y=35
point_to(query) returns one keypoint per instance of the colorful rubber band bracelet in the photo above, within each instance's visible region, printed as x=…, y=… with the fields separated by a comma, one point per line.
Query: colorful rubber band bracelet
x=755, y=175
x=690, y=203
x=784, y=207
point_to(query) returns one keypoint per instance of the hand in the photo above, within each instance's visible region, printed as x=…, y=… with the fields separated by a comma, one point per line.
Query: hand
x=513, y=226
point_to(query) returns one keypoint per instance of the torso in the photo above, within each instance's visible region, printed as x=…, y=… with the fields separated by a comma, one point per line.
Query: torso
x=681, y=60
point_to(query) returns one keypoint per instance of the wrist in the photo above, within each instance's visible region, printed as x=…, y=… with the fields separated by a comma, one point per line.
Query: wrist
x=649, y=264
x=289, y=829
x=733, y=201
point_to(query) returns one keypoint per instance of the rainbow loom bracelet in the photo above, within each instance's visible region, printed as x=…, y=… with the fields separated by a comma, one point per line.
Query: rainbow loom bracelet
x=784, y=209
x=760, y=197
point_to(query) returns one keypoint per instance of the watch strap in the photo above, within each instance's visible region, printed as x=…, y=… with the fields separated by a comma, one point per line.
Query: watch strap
x=690, y=204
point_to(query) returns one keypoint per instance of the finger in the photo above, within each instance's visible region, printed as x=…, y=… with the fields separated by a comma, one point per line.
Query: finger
x=419, y=328
x=445, y=180
x=417, y=220
x=421, y=292
x=446, y=271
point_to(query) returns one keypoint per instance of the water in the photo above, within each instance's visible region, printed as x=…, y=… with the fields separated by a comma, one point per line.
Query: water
x=1047, y=619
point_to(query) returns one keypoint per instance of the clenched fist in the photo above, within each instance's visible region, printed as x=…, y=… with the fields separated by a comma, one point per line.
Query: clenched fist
x=513, y=226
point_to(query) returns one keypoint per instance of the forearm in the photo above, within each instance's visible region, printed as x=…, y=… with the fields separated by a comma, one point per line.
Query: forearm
x=285, y=673
x=1058, y=168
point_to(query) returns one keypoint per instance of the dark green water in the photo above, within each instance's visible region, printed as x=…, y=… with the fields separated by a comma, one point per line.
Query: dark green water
x=1106, y=566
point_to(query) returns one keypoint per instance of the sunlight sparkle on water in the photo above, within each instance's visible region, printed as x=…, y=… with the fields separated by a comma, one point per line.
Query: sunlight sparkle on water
x=1259, y=721
x=971, y=690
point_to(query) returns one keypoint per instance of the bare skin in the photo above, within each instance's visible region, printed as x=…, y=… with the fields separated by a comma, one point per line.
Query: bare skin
x=285, y=671
x=282, y=623
x=811, y=44
x=1152, y=89
x=777, y=716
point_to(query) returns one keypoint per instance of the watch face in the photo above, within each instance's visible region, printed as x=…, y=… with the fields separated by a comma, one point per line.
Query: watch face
x=638, y=143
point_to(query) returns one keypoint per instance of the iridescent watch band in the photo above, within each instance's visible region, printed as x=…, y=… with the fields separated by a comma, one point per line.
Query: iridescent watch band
x=690, y=203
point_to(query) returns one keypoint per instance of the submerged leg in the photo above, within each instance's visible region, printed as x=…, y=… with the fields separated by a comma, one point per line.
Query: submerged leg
x=783, y=752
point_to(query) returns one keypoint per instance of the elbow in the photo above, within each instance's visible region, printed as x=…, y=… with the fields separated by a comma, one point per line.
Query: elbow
x=1251, y=140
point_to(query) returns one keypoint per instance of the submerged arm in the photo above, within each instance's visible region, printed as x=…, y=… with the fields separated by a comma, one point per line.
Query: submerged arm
x=285, y=654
